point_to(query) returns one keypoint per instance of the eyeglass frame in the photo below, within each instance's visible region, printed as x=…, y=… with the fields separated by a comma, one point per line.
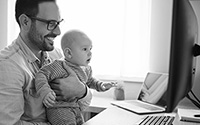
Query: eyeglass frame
x=48, y=22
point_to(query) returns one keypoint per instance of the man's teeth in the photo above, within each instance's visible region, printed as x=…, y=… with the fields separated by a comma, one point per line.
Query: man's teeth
x=51, y=38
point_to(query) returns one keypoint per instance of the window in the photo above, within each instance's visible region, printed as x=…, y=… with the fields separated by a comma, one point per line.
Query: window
x=13, y=27
x=119, y=29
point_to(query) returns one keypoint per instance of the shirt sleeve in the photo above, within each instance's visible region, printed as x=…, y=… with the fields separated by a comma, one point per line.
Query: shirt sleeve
x=92, y=82
x=11, y=95
x=41, y=85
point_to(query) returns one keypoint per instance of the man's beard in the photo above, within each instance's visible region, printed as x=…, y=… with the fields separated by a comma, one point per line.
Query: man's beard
x=38, y=40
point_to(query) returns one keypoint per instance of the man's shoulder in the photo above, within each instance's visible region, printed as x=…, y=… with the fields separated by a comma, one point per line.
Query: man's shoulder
x=9, y=51
x=11, y=55
x=12, y=61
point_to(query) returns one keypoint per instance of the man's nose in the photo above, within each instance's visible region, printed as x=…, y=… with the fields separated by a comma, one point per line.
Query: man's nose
x=57, y=30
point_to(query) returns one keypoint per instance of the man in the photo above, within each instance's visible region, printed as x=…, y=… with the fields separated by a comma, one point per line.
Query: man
x=38, y=21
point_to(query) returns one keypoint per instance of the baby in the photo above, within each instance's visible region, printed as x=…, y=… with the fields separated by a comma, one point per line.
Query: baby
x=76, y=47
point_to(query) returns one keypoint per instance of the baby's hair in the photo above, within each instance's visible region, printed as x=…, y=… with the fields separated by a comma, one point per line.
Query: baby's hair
x=71, y=36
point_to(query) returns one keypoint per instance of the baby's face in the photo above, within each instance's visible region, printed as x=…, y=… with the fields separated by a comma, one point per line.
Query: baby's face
x=81, y=52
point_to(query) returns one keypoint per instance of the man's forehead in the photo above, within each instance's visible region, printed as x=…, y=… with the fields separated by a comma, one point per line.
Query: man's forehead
x=49, y=11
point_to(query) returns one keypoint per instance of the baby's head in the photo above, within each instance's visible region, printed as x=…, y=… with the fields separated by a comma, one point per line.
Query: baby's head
x=76, y=47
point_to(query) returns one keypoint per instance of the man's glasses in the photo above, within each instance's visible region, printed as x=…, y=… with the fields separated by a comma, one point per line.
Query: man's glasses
x=51, y=24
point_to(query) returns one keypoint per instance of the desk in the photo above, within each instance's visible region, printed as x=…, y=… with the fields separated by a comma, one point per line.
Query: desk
x=99, y=104
x=113, y=115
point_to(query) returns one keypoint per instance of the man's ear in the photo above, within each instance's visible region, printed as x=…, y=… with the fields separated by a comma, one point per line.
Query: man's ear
x=68, y=53
x=25, y=22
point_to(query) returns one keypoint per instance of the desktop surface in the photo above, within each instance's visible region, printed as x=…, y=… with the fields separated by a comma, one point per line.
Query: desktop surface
x=113, y=115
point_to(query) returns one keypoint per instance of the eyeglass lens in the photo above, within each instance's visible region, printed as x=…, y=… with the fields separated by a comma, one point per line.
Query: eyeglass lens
x=53, y=24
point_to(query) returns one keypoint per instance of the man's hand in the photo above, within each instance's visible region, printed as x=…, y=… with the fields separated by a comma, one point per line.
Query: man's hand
x=68, y=88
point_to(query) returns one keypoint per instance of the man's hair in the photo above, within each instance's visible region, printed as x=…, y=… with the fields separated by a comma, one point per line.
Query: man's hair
x=28, y=7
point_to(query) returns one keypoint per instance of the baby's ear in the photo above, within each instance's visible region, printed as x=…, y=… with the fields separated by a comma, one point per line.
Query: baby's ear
x=67, y=52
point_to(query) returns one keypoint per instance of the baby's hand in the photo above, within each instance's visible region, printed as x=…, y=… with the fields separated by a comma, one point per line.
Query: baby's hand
x=106, y=86
x=49, y=99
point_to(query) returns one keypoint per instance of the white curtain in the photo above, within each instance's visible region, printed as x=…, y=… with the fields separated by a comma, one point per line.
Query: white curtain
x=119, y=30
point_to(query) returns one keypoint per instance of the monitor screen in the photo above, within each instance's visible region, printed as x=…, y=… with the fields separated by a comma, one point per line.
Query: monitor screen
x=184, y=36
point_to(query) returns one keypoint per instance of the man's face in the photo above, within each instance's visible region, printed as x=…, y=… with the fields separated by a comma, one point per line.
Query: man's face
x=40, y=37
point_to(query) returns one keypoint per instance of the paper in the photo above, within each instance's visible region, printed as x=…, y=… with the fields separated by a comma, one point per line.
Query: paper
x=189, y=115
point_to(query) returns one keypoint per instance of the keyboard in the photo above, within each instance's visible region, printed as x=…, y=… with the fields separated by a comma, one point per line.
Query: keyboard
x=157, y=120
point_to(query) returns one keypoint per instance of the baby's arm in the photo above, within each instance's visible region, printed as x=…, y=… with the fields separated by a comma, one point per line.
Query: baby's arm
x=107, y=85
x=96, y=84
x=99, y=85
x=49, y=99
x=41, y=85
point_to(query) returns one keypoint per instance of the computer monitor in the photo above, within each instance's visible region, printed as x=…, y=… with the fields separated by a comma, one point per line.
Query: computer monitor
x=184, y=48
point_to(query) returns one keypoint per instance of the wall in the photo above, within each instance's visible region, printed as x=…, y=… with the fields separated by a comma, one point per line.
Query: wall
x=3, y=23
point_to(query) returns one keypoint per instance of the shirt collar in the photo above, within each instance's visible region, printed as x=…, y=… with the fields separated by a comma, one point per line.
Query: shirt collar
x=28, y=53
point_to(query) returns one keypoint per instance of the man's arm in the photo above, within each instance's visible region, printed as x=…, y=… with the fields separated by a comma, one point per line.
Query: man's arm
x=11, y=95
